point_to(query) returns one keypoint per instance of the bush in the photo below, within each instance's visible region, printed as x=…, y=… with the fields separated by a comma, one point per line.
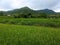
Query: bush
x=43, y=15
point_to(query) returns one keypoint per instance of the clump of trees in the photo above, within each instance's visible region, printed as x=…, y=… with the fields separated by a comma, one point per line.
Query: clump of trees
x=1, y=13
x=23, y=15
x=43, y=15
x=29, y=15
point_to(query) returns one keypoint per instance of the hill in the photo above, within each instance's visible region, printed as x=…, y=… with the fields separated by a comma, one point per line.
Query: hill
x=26, y=11
x=47, y=11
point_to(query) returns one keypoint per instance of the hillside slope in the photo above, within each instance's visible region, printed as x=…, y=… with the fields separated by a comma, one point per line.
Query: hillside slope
x=27, y=10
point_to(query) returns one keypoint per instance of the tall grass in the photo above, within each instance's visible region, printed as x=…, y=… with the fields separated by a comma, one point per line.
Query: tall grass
x=28, y=35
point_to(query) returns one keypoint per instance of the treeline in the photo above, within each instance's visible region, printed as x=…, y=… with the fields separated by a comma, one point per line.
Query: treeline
x=31, y=15
x=40, y=15
x=25, y=15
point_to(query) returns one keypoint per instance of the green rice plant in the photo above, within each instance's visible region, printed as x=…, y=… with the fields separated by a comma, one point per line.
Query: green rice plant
x=28, y=35
x=31, y=21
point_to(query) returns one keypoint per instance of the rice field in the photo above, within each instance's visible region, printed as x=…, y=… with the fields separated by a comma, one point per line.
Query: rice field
x=50, y=22
x=28, y=35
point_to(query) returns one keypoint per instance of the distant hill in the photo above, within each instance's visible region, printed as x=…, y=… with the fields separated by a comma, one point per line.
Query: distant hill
x=24, y=10
x=48, y=11
x=27, y=10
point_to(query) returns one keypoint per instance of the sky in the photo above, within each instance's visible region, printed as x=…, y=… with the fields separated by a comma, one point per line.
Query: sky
x=33, y=4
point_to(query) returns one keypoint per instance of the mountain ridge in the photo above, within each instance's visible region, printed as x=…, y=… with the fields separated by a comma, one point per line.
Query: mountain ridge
x=27, y=9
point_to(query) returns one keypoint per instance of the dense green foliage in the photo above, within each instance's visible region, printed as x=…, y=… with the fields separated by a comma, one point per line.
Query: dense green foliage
x=28, y=35
x=51, y=22
x=1, y=13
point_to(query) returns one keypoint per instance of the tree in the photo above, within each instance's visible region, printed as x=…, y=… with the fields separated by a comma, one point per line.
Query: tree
x=43, y=15
x=1, y=13
x=29, y=15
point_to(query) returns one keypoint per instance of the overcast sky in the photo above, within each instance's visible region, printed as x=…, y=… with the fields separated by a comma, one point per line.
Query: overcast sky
x=34, y=4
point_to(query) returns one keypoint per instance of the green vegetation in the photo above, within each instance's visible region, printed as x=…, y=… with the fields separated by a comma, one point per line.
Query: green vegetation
x=31, y=21
x=28, y=35
x=29, y=27
x=26, y=12
x=1, y=13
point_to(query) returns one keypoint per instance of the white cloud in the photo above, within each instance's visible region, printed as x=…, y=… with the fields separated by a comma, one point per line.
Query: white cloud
x=17, y=3
x=34, y=4
x=12, y=4
x=57, y=8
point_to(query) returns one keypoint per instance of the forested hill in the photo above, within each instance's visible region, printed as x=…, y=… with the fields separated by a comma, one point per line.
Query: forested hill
x=28, y=10
x=25, y=11
x=48, y=11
